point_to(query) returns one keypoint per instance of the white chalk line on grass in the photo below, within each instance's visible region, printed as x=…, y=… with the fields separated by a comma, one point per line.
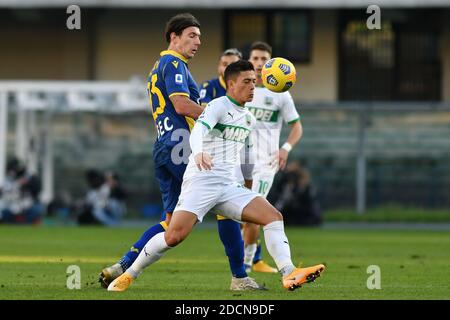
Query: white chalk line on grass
x=106, y=260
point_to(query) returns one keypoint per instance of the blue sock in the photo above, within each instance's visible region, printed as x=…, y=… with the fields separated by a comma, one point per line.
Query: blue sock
x=127, y=260
x=230, y=235
x=258, y=251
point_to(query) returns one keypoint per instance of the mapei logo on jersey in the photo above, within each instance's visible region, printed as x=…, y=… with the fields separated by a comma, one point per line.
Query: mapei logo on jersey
x=179, y=78
x=228, y=132
x=264, y=114
x=235, y=133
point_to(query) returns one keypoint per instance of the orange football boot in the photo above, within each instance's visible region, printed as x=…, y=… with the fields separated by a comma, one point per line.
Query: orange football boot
x=121, y=283
x=302, y=275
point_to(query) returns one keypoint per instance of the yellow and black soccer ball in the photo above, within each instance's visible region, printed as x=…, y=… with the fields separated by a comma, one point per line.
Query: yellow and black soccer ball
x=278, y=75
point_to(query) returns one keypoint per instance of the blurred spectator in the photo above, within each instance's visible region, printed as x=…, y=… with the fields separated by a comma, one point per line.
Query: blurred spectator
x=295, y=197
x=19, y=195
x=104, y=202
x=62, y=209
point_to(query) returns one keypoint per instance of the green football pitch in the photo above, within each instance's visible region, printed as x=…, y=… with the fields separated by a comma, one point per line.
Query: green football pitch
x=413, y=264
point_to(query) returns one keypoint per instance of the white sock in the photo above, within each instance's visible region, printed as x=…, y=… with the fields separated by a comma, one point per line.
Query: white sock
x=249, y=251
x=278, y=246
x=152, y=252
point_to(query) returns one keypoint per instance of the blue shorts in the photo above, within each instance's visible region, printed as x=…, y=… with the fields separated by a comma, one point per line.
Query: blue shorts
x=169, y=177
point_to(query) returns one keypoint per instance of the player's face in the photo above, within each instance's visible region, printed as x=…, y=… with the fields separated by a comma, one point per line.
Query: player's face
x=244, y=86
x=188, y=42
x=258, y=58
x=224, y=62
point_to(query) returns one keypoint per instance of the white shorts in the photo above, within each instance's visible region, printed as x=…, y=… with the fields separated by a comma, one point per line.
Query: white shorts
x=200, y=195
x=262, y=180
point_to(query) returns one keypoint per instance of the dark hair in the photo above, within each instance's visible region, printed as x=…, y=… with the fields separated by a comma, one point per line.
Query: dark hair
x=180, y=22
x=260, y=45
x=232, y=52
x=236, y=68
x=16, y=166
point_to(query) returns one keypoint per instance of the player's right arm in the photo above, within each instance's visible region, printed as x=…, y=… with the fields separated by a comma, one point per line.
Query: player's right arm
x=290, y=116
x=185, y=106
x=175, y=76
x=206, y=121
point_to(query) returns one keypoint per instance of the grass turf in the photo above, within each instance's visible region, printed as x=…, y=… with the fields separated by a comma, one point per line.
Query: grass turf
x=34, y=260
x=389, y=213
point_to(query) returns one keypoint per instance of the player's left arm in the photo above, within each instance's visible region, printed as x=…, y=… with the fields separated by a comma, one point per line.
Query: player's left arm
x=176, y=77
x=292, y=117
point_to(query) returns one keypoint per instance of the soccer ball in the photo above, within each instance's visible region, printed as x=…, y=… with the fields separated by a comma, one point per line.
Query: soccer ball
x=278, y=75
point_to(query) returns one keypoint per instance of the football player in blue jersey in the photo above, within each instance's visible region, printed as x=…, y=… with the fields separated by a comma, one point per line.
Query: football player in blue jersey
x=174, y=98
x=216, y=87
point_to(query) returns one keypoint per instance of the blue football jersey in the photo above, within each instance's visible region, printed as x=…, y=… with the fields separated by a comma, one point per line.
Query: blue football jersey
x=212, y=89
x=170, y=76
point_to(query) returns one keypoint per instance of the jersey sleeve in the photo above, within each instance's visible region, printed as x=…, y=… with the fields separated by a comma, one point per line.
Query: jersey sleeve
x=288, y=110
x=176, y=78
x=247, y=158
x=211, y=115
x=196, y=138
x=206, y=93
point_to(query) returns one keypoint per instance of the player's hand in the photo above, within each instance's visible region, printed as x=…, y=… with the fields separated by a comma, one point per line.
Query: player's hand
x=248, y=184
x=282, y=158
x=203, y=161
x=274, y=162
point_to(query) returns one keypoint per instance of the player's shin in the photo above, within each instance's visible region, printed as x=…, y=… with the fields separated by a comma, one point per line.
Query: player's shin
x=230, y=235
x=278, y=246
x=250, y=237
x=127, y=260
x=258, y=254
x=250, y=250
x=152, y=252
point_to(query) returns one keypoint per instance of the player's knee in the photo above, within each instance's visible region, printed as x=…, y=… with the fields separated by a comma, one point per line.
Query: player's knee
x=278, y=215
x=275, y=215
x=175, y=237
x=250, y=226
